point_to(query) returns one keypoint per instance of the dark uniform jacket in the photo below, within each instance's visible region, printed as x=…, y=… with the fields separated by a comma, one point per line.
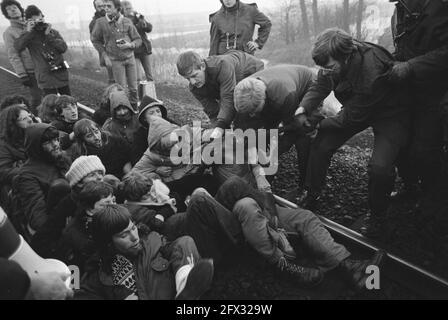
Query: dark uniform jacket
x=363, y=91
x=422, y=40
x=239, y=20
x=221, y=76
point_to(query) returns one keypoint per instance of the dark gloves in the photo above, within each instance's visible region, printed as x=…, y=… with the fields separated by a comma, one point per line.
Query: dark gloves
x=400, y=72
x=26, y=81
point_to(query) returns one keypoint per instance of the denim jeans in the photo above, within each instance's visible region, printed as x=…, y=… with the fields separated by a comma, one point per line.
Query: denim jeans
x=125, y=74
x=146, y=64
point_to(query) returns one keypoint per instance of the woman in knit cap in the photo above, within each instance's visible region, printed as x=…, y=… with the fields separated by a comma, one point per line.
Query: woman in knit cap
x=83, y=170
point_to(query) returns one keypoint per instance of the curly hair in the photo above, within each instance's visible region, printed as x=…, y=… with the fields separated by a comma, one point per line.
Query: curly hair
x=7, y=3
x=12, y=100
x=9, y=131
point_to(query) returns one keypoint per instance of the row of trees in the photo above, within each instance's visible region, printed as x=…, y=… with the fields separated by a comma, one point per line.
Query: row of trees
x=295, y=17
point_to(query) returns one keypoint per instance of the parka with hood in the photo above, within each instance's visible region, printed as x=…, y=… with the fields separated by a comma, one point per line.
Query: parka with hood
x=36, y=176
x=118, y=128
x=240, y=20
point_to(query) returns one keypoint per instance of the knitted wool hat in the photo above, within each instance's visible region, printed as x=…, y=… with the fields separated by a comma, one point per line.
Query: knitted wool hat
x=83, y=166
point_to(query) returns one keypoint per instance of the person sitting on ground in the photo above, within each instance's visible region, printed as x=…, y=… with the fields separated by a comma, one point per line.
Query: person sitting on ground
x=83, y=170
x=147, y=200
x=67, y=110
x=13, y=122
x=124, y=119
x=47, y=109
x=239, y=212
x=113, y=151
x=148, y=106
x=76, y=238
x=103, y=112
x=40, y=181
x=135, y=265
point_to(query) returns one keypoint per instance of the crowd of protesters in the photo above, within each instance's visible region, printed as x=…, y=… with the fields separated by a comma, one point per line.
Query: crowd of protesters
x=102, y=191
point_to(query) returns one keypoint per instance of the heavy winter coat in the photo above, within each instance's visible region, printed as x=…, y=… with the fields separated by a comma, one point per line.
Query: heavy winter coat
x=423, y=42
x=222, y=74
x=38, y=42
x=364, y=90
x=238, y=21
x=20, y=61
x=36, y=176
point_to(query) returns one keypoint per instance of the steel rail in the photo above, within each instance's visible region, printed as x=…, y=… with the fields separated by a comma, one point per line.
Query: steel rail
x=80, y=105
x=411, y=276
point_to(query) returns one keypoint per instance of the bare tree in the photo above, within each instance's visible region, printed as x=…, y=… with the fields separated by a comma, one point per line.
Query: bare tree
x=305, y=23
x=346, y=15
x=286, y=10
x=316, y=20
x=359, y=18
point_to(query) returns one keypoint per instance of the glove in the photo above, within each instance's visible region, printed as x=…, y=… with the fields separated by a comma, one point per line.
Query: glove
x=26, y=81
x=400, y=72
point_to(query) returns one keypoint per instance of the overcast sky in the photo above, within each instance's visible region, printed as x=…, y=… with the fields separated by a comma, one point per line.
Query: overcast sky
x=55, y=10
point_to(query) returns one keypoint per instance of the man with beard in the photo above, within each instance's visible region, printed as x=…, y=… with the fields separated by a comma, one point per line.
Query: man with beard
x=124, y=121
x=357, y=72
x=38, y=185
x=20, y=61
x=99, y=13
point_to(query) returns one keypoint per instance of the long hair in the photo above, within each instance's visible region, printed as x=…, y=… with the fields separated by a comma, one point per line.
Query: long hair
x=47, y=109
x=334, y=43
x=80, y=129
x=9, y=131
x=106, y=222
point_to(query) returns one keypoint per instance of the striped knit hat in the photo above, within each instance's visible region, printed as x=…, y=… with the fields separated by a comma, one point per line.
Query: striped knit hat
x=83, y=166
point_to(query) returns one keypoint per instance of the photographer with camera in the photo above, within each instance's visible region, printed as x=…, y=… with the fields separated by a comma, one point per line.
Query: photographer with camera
x=115, y=38
x=20, y=61
x=46, y=47
x=145, y=50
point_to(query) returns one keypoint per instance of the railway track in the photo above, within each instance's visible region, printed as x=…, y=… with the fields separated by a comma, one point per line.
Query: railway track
x=422, y=283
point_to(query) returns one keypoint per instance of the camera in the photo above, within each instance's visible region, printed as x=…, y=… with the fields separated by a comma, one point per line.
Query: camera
x=40, y=26
x=51, y=60
x=120, y=41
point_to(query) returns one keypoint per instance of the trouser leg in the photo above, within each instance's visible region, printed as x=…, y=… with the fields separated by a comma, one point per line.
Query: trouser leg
x=131, y=76
x=313, y=235
x=256, y=230
x=35, y=92
x=179, y=251
x=391, y=137
x=146, y=64
x=322, y=149
x=213, y=227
